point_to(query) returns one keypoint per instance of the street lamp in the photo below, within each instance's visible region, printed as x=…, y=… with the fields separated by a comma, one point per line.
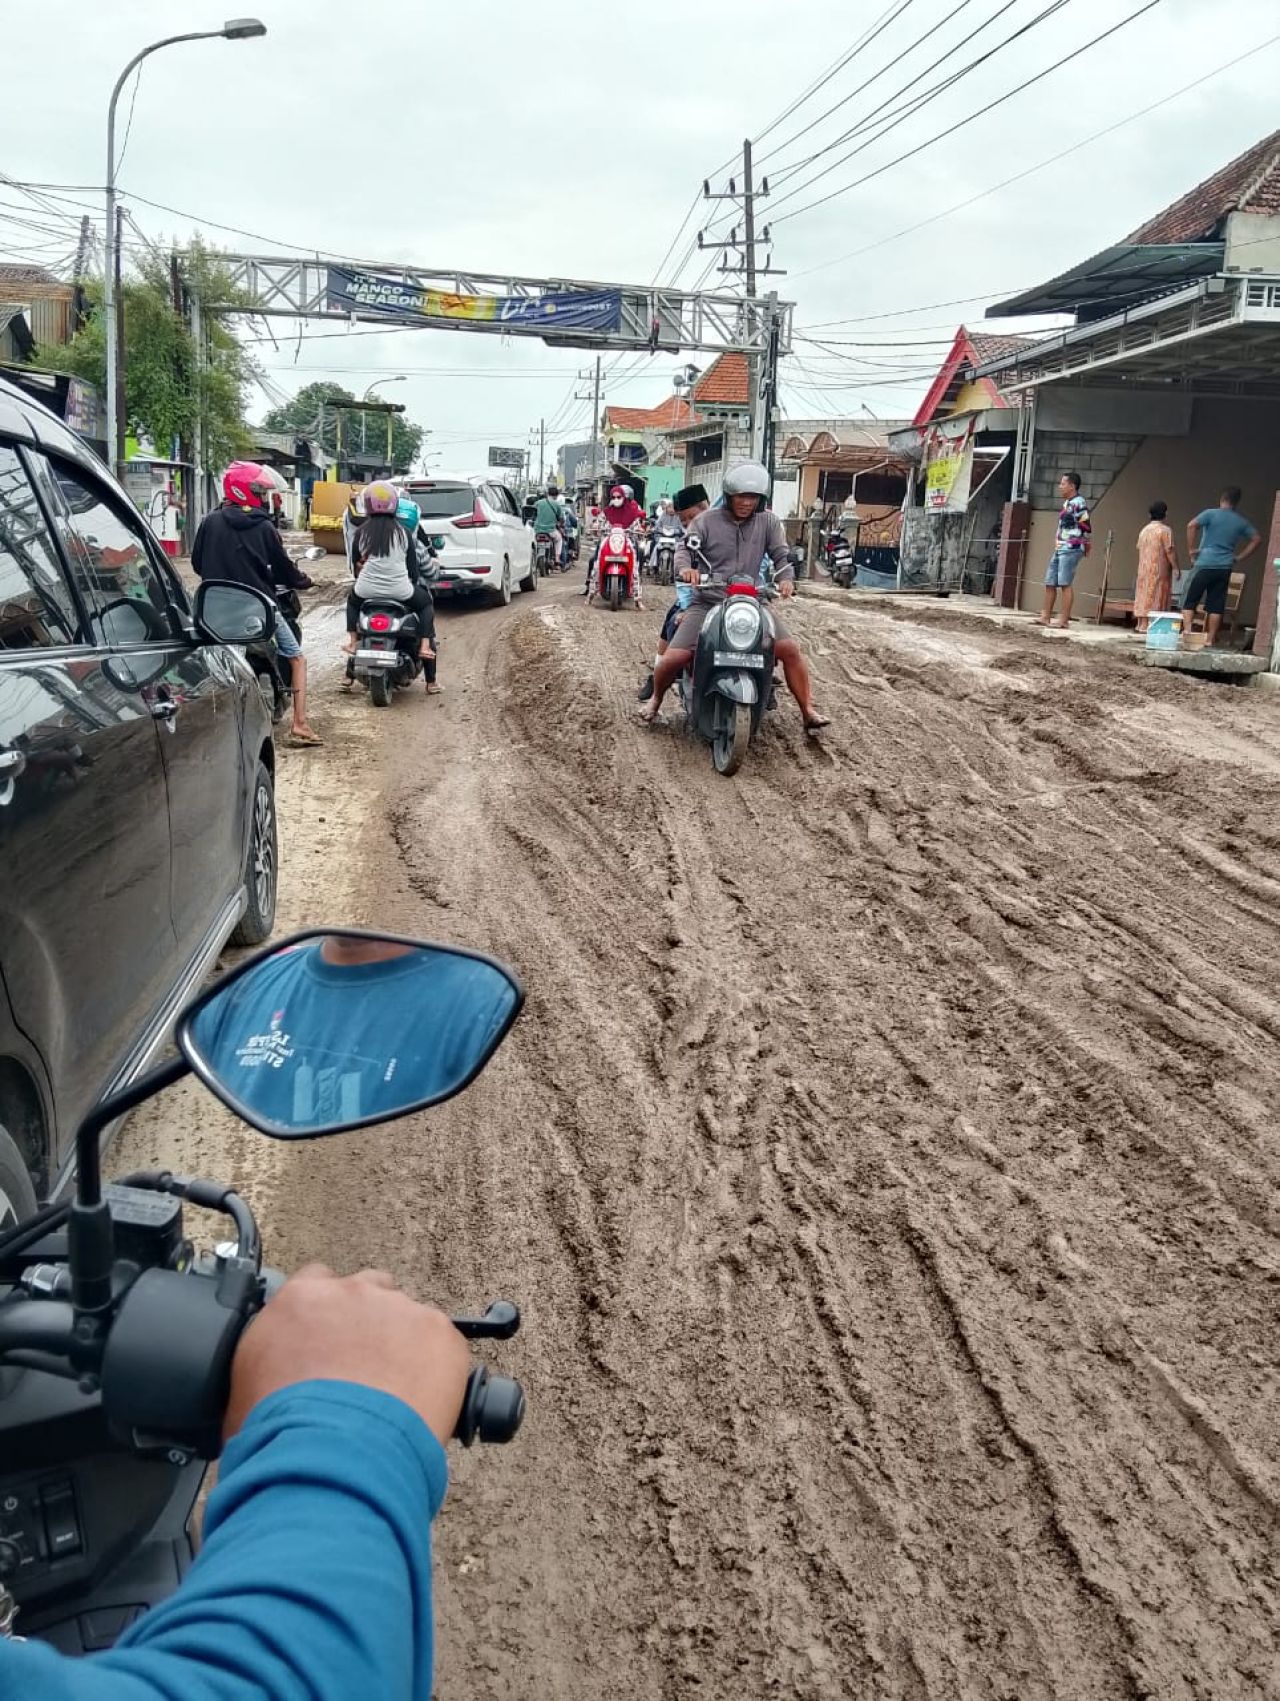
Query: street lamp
x=400, y=378
x=235, y=29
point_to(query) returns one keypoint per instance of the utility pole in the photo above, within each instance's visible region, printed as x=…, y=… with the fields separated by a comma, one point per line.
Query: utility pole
x=542, y=451
x=195, y=505
x=595, y=432
x=762, y=375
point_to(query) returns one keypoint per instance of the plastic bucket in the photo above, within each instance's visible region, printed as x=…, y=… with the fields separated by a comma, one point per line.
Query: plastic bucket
x=1164, y=629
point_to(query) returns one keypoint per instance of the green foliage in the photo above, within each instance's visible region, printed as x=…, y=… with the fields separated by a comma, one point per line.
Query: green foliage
x=165, y=392
x=302, y=416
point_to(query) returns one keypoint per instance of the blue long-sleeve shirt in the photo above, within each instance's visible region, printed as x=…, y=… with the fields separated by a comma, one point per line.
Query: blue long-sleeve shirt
x=314, y=1581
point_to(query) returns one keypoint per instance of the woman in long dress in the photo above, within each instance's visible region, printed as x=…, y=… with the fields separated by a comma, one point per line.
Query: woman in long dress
x=1157, y=563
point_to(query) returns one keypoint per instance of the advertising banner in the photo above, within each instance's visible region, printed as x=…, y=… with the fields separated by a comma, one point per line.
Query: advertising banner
x=948, y=460
x=396, y=299
x=505, y=457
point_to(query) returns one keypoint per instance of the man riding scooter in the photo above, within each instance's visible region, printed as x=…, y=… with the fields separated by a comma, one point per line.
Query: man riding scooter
x=548, y=521
x=238, y=544
x=731, y=542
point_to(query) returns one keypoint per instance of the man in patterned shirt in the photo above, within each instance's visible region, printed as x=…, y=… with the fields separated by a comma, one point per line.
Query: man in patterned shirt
x=1072, y=544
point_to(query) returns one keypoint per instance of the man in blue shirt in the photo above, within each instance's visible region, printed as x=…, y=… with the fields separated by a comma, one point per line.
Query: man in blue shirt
x=315, y=1574
x=1213, y=538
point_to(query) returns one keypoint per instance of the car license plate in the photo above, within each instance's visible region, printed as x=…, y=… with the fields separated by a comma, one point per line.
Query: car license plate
x=379, y=658
x=734, y=658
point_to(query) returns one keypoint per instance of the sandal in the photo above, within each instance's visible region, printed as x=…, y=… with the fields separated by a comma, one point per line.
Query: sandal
x=815, y=723
x=304, y=740
x=434, y=690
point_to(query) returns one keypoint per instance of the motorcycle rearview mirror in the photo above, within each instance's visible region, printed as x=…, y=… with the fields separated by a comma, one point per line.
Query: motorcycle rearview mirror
x=335, y=1030
x=314, y=553
x=329, y=1030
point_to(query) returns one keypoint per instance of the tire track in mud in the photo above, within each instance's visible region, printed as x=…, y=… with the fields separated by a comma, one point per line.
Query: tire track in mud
x=884, y=1162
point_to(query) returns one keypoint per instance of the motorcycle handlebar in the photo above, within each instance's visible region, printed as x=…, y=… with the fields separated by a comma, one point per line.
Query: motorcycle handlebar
x=36, y=1325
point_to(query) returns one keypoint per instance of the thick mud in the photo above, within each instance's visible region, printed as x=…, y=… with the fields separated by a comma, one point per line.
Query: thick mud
x=885, y=1162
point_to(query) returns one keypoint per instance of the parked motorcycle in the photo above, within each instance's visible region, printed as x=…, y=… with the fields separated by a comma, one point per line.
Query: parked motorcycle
x=386, y=656
x=730, y=684
x=838, y=559
x=116, y=1335
x=617, y=569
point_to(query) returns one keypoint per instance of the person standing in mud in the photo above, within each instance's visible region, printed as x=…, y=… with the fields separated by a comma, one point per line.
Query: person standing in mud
x=1072, y=543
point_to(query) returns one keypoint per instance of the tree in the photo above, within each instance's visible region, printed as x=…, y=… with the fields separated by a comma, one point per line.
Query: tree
x=165, y=389
x=309, y=415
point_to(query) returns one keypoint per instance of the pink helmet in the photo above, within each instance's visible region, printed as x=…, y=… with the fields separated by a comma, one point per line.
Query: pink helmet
x=381, y=497
x=247, y=483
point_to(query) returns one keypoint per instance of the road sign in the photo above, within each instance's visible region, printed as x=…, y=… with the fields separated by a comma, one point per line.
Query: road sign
x=506, y=457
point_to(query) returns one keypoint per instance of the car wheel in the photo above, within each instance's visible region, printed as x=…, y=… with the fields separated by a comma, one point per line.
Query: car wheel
x=17, y=1195
x=530, y=583
x=262, y=865
x=504, y=589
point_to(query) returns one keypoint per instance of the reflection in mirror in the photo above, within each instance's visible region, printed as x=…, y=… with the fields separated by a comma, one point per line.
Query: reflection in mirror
x=133, y=672
x=127, y=622
x=232, y=613
x=336, y=1029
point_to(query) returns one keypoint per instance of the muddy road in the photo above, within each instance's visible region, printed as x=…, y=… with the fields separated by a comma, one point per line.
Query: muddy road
x=885, y=1162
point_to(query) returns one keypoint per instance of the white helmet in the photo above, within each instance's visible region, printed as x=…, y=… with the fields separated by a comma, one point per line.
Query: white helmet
x=628, y=493
x=748, y=478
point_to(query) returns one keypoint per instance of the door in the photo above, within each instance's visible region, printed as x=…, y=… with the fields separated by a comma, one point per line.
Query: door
x=86, y=941
x=191, y=692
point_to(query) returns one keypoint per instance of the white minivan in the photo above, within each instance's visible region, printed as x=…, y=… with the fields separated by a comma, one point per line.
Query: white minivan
x=485, y=548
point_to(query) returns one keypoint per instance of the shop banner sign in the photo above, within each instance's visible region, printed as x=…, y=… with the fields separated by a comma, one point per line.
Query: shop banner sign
x=393, y=298
x=948, y=468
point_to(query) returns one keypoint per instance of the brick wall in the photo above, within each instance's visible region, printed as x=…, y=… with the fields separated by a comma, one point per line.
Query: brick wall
x=1097, y=459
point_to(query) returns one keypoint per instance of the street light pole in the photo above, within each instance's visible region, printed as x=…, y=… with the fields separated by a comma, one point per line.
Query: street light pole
x=235, y=29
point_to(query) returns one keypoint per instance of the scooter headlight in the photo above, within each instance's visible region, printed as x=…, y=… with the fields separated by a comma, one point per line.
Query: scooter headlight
x=742, y=625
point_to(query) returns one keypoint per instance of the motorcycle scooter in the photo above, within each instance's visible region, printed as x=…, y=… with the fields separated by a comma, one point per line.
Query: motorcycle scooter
x=117, y=1335
x=730, y=684
x=617, y=569
x=386, y=656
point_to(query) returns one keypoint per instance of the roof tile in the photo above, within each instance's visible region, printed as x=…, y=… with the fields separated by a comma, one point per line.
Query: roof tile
x=725, y=383
x=668, y=416
x=1250, y=183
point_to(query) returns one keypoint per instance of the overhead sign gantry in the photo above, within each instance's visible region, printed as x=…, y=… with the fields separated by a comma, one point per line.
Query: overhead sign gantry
x=557, y=310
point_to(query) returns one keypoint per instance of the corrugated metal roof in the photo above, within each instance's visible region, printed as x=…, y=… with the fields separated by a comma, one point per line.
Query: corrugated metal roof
x=1251, y=183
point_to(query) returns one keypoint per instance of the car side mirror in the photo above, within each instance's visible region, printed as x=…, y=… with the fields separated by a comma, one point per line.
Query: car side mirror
x=232, y=614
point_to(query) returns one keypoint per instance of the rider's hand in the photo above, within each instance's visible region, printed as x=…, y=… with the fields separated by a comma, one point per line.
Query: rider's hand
x=787, y=588
x=351, y=1329
x=689, y=575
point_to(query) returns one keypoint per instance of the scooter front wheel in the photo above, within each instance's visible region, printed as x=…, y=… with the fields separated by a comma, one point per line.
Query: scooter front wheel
x=729, y=746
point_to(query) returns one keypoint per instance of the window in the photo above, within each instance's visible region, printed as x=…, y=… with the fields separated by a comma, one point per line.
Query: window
x=36, y=608
x=122, y=590
x=442, y=501
x=704, y=450
x=510, y=506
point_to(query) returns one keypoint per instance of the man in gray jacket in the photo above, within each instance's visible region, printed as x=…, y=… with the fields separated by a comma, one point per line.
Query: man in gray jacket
x=729, y=544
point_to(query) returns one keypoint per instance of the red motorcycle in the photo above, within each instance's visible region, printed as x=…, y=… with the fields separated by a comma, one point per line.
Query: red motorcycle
x=617, y=571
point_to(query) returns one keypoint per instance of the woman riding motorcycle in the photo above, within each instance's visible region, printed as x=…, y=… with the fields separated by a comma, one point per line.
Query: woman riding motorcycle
x=622, y=510
x=410, y=517
x=384, y=559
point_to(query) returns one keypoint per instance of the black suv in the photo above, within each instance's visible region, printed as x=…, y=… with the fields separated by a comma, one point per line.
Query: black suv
x=137, y=805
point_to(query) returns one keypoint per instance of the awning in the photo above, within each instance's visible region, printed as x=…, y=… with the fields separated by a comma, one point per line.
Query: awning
x=1118, y=277
x=1218, y=337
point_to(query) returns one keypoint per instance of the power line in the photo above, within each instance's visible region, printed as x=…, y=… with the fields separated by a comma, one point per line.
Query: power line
x=128, y=129
x=882, y=23
x=981, y=112
x=1053, y=159
x=890, y=65
x=894, y=117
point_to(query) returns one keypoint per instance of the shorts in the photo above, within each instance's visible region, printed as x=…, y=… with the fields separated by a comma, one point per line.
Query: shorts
x=1062, y=569
x=686, y=633
x=1211, y=584
x=289, y=647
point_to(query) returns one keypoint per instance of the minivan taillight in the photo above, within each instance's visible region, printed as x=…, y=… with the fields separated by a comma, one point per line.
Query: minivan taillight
x=477, y=518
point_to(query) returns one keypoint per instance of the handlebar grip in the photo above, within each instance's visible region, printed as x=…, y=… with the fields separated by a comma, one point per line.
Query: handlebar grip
x=493, y=1409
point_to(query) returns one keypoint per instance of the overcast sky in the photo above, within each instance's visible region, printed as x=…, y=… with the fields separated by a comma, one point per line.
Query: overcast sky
x=488, y=137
